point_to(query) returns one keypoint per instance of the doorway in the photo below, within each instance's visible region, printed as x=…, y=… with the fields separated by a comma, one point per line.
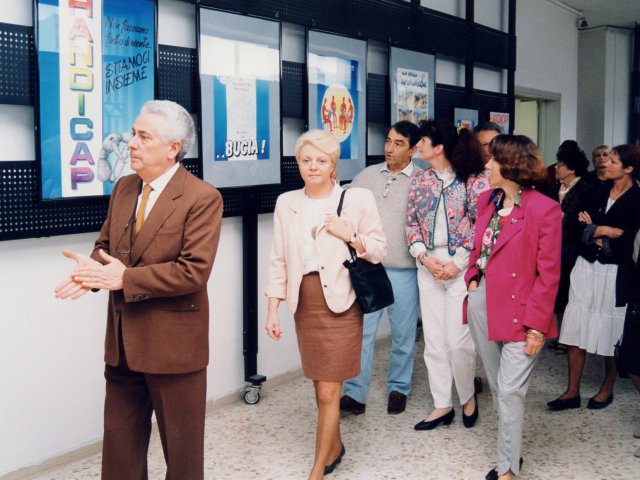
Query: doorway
x=538, y=117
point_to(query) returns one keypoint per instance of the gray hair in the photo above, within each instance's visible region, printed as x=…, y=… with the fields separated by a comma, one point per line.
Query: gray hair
x=178, y=123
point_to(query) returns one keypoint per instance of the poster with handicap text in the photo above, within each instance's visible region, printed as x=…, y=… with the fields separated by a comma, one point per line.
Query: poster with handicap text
x=96, y=68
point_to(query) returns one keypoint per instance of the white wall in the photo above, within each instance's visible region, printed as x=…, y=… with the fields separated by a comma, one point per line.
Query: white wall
x=547, y=56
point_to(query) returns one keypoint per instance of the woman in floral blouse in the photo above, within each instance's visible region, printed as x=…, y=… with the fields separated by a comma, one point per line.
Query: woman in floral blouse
x=440, y=217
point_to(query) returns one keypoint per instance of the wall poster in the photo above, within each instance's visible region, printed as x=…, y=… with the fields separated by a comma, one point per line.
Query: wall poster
x=95, y=68
x=465, y=118
x=501, y=119
x=240, y=99
x=412, y=77
x=336, y=68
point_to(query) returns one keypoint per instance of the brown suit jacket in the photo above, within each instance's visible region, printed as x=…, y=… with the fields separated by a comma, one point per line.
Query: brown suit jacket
x=163, y=306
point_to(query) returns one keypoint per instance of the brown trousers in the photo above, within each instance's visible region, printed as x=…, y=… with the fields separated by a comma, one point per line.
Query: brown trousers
x=179, y=401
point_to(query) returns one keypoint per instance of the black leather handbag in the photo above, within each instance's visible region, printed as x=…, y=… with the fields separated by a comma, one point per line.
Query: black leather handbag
x=369, y=280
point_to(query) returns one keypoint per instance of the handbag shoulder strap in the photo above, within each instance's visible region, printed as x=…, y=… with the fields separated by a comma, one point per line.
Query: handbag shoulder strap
x=339, y=210
x=352, y=251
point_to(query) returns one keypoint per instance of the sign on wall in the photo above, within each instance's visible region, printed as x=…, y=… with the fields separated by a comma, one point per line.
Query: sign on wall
x=412, y=77
x=240, y=99
x=465, y=118
x=96, y=67
x=501, y=119
x=336, y=68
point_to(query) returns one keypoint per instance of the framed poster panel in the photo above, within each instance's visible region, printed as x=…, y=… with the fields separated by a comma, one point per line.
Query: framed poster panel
x=465, y=118
x=337, y=76
x=501, y=119
x=239, y=99
x=412, y=77
x=96, y=66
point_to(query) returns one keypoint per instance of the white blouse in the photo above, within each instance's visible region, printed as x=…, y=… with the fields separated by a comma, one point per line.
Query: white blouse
x=313, y=220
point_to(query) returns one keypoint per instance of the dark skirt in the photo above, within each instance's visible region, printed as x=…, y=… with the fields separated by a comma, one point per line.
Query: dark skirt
x=330, y=343
x=628, y=358
x=569, y=256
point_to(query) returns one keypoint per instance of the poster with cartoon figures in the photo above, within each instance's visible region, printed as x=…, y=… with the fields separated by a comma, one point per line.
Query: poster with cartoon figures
x=336, y=81
x=412, y=95
x=412, y=78
x=336, y=72
x=240, y=99
x=96, y=67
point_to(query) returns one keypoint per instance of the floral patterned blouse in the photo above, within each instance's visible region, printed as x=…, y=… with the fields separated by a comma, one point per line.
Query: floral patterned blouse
x=497, y=222
x=427, y=191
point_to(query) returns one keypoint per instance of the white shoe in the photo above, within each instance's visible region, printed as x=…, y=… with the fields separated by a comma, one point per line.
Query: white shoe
x=636, y=432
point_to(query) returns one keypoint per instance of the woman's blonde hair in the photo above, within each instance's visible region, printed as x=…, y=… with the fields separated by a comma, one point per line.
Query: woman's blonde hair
x=323, y=141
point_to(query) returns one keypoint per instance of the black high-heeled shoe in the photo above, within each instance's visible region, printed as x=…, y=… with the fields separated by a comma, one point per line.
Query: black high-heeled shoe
x=493, y=473
x=445, y=419
x=331, y=467
x=470, y=420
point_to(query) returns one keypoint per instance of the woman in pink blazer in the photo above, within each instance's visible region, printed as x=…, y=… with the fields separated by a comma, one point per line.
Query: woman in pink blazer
x=513, y=276
x=306, y=270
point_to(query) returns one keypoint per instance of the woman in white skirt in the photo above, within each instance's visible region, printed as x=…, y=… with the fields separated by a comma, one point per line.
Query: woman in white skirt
x=594, y=318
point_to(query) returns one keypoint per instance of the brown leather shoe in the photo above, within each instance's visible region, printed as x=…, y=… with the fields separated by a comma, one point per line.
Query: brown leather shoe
x=397, y=403
x=349, y=405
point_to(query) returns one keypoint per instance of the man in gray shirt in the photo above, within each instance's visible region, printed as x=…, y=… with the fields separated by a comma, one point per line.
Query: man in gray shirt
x=389, y=183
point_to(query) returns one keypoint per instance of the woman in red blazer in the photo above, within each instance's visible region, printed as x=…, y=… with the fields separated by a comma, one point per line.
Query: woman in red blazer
x=513, y=276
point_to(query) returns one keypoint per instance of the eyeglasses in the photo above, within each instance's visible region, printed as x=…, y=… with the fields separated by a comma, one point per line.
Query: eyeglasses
x=601, y=154
x=385, y=190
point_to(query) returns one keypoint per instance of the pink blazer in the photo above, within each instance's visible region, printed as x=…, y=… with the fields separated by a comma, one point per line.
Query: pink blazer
x=523, y=271
x=286, y=260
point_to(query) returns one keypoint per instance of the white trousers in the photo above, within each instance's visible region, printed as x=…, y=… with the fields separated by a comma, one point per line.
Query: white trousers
x=449, y=352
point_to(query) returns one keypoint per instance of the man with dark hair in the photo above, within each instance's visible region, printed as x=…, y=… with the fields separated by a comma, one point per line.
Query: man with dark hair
x=389, y=183
x=485, y=132
x=154, y=255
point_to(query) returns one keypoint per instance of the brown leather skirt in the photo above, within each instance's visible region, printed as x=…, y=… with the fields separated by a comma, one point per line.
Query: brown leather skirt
x=330, y=343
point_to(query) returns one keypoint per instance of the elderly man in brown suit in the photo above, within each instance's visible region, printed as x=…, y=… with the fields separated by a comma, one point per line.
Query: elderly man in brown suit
x=154, y=254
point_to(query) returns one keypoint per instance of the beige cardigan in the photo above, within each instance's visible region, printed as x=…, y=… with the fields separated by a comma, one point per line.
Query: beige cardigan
x=286, y=260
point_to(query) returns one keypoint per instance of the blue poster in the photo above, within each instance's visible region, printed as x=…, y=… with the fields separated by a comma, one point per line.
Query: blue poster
x=96, y=62
x=337, y=94
x=241, y=118
x=239, y=66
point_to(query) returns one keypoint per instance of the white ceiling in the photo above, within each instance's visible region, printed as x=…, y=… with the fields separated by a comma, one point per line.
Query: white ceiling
x=619, y=13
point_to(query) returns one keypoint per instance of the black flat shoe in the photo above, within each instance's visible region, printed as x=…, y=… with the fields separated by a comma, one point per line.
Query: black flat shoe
x=330, y=468
x=593, y=404
x=470, y=420
x=493, y=473
x=445, y=419
x=350, y=406
x=558, y=405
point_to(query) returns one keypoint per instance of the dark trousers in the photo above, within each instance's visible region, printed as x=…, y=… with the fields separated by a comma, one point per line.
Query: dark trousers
x=179, y=401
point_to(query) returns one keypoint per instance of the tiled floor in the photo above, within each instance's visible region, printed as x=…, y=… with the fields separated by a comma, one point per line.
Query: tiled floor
x=275, y=438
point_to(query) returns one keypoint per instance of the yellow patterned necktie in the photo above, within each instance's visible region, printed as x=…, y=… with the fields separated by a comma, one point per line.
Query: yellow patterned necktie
x=146, y=191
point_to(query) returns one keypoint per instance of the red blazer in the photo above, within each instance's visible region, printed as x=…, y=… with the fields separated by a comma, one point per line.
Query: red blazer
x=523, y=271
